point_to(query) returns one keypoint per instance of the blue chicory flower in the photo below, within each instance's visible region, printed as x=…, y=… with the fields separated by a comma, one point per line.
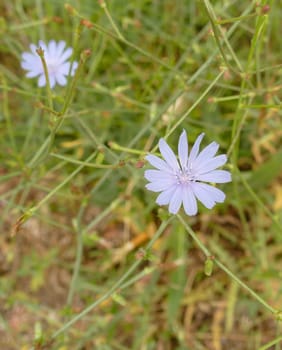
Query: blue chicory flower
x=56, y=56
x=182, y=181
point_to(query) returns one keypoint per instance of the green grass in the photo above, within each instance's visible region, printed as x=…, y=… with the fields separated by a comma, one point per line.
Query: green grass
x=88, y=260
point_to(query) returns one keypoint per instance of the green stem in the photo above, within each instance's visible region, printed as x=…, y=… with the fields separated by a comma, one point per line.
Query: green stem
x=117, y=147
x=244, y=286
x=36, y=23
x=56, y=189
x=70, y=93
x=239, y=118
x=105, y=8
x=79, y=250
x=103, y=214
x=132, y=45
x=40, y=53
x=235, y=19
x=224, y=268
x=273, y=342
x=116, y=286
x=194, y=105
x=217, y=33
x=46, y=147
x=79, y=162
x=40, y=154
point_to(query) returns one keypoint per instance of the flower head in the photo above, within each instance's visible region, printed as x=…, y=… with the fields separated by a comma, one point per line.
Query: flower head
x=182, y=181
x=55, y=55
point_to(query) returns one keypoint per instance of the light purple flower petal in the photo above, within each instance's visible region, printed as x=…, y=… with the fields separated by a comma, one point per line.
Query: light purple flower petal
x=33, y=48
x=211, y=164
x=61, y=79
x=28, y=57
x=208, y=195
x=74, y=67
x=33, y=66
x=52, y=48
x=26, y=65
x=52, y=81
x=183, y=149
x=203, y=195
x=65, y=55
x=158, y=186
x=158, y=163
x=194, y=151
x=176, y=200
x=42, y=80
x=60, y=48
x=33, y=74
x=216, y=176
x=30, y=67
x=165, y=196
x=156, y=175
x=65, y=68
x=206, y=154
x=168, y=155
x=189, y=201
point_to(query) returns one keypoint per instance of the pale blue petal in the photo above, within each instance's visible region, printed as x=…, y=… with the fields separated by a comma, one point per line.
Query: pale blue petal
x=32, y=63
x=65, y=68
x=194, y=151
x=60, y=48
x=33, y=74
x=168, y=154
x=204, y=196
x=158, y=186
x=52, y=48
x=61, y=79
x=189, y=201
x=211, y=164
x=41, y=80
x=158, y=163
x=165, y=196
x=183, y=149
x=52, y=81
x=206, y=154
x=29, y=57
x=64, y=56
x=176, y=200
x=208, y=195
x=33, y=48
x=32, y=66
x=156, y=175
x=74, y=67
x=217, y=176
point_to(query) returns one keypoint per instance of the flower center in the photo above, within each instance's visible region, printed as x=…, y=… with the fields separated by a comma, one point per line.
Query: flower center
x=184, y=176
